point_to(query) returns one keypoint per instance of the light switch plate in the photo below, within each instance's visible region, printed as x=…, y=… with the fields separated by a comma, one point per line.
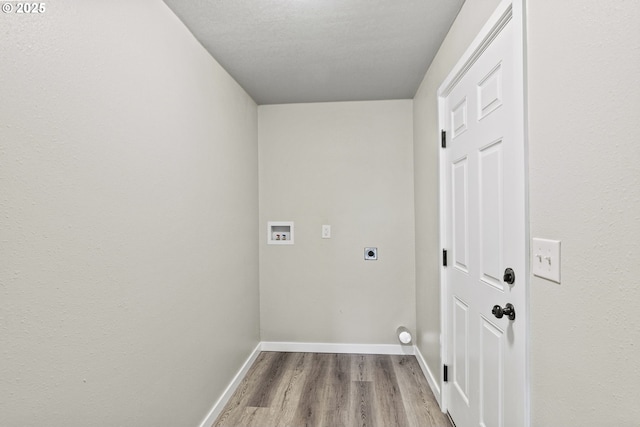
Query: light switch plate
x=545, y=259
x=326, y=231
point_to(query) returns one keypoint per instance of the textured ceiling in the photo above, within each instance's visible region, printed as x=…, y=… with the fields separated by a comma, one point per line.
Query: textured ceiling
x=285, y=51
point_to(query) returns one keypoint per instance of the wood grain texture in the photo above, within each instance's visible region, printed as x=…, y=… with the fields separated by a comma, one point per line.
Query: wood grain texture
x=333, y=390
x=389, y=407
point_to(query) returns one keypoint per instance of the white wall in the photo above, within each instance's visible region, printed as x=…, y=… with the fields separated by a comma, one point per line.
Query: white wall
x=426, y=148
x=584, y=103
x=128, y=219
x=348, y=165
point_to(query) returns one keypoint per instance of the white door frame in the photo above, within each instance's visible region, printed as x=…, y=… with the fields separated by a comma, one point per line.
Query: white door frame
x=508, y=11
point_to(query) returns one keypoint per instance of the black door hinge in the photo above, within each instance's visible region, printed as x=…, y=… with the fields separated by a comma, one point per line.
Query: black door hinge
x=444, y=257
x=445, y=374
x=443, y=137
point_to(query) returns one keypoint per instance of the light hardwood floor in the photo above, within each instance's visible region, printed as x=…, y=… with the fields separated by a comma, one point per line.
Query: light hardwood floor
x=333, y=390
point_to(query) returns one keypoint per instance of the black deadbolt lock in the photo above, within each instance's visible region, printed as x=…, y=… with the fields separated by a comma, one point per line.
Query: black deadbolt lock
x=509, y=276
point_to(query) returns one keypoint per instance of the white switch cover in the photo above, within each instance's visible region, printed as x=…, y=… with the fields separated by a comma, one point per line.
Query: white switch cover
x=326, y=231
x=545, y=259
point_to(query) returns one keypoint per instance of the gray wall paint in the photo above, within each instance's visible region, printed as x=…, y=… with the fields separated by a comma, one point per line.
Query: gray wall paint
x=129, y=228
x=348, y=165
x=584, y=102
x=128, y=218
x=426, y=148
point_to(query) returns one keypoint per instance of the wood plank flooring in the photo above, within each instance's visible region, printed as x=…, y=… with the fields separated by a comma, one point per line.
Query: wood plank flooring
x=333, y=390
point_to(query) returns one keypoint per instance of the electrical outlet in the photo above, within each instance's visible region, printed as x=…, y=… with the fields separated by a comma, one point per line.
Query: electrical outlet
x=545, y=259
x=326, y=231
x=370, y=254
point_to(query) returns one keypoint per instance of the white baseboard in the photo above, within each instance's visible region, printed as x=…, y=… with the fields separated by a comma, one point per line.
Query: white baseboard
x=309, y=347
x=231, y=388
x=435, y=388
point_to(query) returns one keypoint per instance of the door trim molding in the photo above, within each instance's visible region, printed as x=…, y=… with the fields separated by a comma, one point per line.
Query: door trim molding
x=496, y=23
x=507, y=11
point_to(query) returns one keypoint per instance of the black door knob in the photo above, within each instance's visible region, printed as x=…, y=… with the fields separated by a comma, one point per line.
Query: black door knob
x=509, y=310
x=509, y=276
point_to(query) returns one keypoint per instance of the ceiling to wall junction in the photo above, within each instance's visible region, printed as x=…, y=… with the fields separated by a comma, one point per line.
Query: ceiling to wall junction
x=286, y=51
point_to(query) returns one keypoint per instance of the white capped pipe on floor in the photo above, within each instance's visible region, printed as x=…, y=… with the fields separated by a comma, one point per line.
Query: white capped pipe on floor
x=403, y=335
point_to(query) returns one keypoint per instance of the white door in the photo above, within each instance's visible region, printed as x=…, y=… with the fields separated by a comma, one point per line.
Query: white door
x=484, y=230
